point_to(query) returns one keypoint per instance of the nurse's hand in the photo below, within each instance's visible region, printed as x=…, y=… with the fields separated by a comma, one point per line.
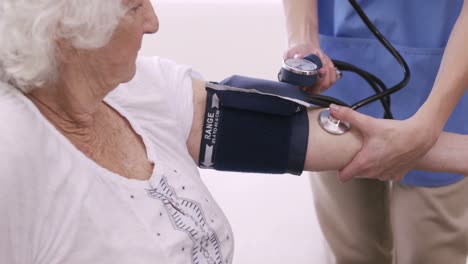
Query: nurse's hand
x=390, y=148
x=327, y=75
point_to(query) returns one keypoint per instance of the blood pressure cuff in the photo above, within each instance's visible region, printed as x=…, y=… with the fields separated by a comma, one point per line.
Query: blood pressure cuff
x=253, y=128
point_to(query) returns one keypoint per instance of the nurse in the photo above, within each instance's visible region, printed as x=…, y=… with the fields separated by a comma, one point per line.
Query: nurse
x=424, y=217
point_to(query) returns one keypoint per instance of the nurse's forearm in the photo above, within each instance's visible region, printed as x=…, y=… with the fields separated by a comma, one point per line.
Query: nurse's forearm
x=301, y=21
x=330, y=152
x=452, y=78
x=449, y=154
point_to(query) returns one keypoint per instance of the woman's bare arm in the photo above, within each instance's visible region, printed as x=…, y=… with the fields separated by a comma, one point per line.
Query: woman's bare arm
x=330, y=152
x=326, y=151
x=199, y=106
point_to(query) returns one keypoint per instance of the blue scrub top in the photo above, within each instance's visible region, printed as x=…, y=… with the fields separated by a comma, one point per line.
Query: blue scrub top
x=419, y=29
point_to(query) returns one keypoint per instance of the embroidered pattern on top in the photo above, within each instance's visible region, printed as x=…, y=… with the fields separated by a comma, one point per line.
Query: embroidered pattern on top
x=188, y=216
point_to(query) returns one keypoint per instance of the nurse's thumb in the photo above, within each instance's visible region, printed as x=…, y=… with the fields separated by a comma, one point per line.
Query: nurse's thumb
x=348, y=115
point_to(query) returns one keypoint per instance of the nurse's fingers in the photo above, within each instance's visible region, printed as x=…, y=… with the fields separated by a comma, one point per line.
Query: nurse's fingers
x=360, y=121
x=322, y=76
x=327, y=75
x=332, y=71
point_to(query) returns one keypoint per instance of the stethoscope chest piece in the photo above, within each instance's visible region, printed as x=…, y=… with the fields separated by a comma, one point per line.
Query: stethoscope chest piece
x=331, y=124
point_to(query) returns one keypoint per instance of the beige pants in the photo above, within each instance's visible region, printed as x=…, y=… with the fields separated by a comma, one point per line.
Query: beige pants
x=366, y=221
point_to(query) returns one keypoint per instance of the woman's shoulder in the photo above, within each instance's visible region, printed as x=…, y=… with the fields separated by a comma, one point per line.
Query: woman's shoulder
x=155, y=74
x=19, y=126
x=154, y=64
x=160, y=93
x=159, y=85
x=13, y=109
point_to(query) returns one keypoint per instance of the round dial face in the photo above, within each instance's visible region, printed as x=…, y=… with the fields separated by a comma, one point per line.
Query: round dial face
x=301, y=65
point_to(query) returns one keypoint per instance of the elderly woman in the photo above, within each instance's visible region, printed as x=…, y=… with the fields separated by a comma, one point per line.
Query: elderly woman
x=99, y=147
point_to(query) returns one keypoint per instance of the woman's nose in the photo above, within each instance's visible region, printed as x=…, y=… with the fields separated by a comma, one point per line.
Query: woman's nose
x=151, y=20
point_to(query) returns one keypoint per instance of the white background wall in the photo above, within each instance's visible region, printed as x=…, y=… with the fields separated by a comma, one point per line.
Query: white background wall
x=272, y=215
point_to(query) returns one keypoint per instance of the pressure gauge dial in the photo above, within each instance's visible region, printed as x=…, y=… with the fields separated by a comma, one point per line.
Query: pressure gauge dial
x=300, y=71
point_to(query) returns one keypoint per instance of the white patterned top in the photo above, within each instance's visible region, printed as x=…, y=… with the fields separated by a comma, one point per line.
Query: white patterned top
x=58, y=206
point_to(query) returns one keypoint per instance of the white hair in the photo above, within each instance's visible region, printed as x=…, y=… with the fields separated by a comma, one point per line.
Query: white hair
x=29, y=29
